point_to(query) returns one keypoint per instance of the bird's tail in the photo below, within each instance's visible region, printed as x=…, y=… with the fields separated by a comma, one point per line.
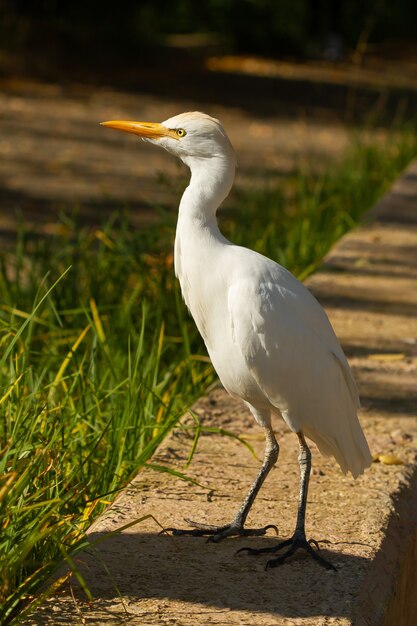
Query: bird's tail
x=353, y=454
x=343, y=438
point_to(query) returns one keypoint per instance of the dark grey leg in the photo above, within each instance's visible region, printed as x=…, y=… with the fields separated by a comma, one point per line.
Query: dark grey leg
x=298, y=540
x=236, y=527
x=304, y=460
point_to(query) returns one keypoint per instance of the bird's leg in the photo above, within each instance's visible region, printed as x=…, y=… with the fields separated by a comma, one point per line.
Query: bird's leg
x=236, y=527
x=298, y=540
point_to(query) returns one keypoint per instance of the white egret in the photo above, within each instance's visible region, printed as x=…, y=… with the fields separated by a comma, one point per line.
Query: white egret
x=269, y=340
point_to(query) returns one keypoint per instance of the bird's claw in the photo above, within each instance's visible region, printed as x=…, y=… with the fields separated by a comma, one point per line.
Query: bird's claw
x=218, y=533
x=314, y=543
x=296, y=542
x=231, y=531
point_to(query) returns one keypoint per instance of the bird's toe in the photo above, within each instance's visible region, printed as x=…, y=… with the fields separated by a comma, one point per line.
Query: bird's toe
x=295, y=543
x=218, y=533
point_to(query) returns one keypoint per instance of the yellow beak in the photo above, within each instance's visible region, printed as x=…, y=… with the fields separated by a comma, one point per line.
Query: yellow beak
x=149, y=130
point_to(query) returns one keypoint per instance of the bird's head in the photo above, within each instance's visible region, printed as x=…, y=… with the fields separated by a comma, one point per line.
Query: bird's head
x=190, y=136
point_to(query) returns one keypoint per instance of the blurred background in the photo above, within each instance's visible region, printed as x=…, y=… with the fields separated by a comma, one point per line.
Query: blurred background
x=83, y=34
x=290, y=80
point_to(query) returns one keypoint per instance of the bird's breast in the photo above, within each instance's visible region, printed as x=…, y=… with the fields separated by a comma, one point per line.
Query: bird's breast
x=203, y=283
x=206, y=299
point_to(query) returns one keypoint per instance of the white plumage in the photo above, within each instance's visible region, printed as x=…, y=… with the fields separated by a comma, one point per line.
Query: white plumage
x=270, y=341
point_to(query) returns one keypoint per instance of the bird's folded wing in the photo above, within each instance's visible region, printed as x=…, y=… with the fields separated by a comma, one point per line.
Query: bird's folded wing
x=287, y=342
x=292, y=353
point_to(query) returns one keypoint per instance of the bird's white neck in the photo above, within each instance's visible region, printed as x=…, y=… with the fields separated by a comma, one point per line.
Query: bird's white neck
x=210, y=183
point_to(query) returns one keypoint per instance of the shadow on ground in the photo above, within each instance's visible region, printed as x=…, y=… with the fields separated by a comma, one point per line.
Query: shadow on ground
x=193, y=571
x=168, y=71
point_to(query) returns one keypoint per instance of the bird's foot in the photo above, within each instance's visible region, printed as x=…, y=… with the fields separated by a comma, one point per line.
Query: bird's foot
x=217, y=533
x=297, y=542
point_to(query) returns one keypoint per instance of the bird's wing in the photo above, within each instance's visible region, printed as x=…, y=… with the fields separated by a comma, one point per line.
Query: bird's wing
x=294, y=356
x=278, y=324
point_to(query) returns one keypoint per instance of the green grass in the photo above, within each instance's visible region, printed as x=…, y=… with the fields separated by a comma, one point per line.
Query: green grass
x=100, y=359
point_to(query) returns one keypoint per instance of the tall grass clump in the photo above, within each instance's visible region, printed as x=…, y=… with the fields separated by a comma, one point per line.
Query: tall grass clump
x=99, y=358
x=98, y=363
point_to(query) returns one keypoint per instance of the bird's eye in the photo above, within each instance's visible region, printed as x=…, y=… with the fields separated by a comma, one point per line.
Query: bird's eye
x=180, y=132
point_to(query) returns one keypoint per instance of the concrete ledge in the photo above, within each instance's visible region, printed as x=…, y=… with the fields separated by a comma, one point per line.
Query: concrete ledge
x=368, y=285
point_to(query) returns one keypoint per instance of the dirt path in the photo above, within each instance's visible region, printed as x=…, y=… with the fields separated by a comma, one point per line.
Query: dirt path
x=54, y=156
